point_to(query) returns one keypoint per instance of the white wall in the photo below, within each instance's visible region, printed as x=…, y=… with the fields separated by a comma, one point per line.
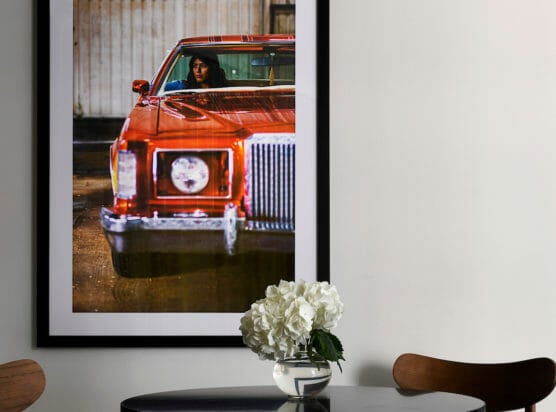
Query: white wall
x=443, y=200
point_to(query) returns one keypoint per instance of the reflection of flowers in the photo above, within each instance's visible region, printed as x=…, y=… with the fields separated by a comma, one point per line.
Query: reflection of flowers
x=294, y=315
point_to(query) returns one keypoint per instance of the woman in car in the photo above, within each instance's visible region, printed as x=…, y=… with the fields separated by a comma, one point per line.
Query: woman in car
x=204, y=73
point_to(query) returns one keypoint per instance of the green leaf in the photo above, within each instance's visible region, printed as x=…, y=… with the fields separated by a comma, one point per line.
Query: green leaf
x=326, y=345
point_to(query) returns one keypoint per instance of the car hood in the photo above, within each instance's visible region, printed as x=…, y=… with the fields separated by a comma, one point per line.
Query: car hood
x=221, y=112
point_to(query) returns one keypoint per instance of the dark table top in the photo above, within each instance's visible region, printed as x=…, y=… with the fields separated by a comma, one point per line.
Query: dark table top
x=333, y=398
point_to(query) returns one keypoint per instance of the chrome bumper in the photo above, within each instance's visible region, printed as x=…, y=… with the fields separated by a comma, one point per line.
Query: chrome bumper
x=228, y=234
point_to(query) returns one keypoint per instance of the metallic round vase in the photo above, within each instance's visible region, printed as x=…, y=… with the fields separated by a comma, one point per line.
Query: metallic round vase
x=301, y=377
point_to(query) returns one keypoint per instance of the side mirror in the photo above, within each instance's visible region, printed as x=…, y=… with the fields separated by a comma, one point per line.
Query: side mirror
x=140, y=86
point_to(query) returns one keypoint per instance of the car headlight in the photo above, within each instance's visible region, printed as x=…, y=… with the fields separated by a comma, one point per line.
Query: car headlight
x=190, y=174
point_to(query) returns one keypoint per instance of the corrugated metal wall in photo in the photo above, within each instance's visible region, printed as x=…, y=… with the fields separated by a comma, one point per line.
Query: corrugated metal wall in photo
x=117, y=41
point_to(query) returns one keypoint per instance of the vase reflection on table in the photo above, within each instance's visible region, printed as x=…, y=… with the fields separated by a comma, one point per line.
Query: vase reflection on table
x=305, y=405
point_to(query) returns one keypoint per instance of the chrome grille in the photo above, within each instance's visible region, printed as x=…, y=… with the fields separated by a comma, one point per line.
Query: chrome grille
x=270, y=181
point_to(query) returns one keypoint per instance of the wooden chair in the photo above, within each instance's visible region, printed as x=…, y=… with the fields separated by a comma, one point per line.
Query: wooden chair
x=502, y=386
x=22, y=382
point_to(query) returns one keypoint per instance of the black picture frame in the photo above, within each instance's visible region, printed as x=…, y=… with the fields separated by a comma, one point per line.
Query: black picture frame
x=45, y=198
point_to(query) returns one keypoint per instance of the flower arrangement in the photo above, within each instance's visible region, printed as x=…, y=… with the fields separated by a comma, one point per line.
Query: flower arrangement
x=294, y=315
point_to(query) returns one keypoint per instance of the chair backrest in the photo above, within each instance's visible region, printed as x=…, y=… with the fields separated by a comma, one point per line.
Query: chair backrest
x=22, y=382
x=502, y=386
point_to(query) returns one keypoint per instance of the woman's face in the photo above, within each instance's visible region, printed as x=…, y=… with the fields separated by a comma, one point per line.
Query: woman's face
x=201, y=72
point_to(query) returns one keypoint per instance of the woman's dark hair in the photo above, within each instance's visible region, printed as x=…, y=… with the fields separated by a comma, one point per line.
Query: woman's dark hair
x=216, y=78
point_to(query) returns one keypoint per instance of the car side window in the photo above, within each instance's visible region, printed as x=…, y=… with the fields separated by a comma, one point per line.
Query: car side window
x=180, y=69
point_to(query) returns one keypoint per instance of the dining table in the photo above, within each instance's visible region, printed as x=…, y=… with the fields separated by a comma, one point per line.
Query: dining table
x=333, y=398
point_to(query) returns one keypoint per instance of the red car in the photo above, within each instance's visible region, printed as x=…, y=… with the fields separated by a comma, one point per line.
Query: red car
x=207, y=165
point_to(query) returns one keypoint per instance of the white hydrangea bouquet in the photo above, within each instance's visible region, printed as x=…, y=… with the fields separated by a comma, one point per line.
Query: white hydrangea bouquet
x=293, y=316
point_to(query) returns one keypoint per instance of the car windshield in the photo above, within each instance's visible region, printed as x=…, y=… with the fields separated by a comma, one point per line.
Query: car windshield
x=242, y=66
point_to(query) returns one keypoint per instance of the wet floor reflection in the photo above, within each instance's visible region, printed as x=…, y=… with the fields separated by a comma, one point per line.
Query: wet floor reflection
x=229, y=287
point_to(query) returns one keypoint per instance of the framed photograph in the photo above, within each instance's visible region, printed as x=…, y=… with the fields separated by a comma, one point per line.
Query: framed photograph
x=182, y=165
